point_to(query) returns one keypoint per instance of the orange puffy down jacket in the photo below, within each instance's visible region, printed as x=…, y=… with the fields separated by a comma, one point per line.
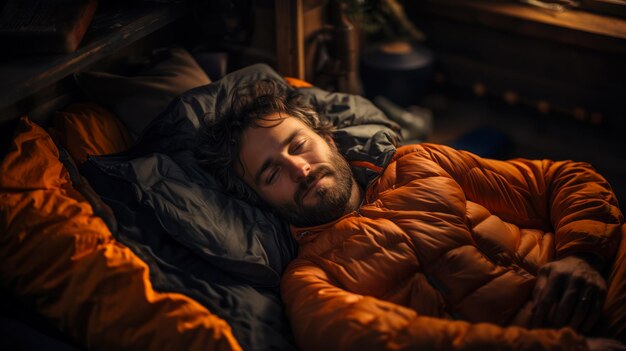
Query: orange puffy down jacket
x=443, y=254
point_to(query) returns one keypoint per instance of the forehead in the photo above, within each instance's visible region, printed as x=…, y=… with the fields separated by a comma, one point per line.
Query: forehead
x=272, y=128
x=265, y=138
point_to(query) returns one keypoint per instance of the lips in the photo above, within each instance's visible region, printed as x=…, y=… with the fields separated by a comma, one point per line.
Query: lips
x=313, y=185
x=311, y=182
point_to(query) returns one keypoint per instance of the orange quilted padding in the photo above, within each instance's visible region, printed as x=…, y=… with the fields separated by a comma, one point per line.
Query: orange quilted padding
x=61, y=260
x=89, y=129
x=443, y=255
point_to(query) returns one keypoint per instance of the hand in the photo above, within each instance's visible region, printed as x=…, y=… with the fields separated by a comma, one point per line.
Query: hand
x=597, y=344
x=568, y=292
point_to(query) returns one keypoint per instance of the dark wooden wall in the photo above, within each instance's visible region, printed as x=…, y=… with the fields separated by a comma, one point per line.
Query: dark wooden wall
x=37, y=84
x=570, y=63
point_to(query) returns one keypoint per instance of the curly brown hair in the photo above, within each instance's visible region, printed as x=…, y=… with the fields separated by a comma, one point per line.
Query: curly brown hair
x=219, y=137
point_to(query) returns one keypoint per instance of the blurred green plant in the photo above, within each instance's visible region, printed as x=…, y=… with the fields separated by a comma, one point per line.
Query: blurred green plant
x=382, y=19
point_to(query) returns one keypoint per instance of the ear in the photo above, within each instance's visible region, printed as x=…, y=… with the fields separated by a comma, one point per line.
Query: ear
x=329, y=139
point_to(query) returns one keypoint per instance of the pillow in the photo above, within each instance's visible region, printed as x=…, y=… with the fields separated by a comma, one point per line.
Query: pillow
x=89, y=129
x=62, y=261
x=222, y=251
x=137, y=100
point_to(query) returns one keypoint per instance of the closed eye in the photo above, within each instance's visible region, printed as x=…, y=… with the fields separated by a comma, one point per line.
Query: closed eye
x=272, y=176
x=298, y=147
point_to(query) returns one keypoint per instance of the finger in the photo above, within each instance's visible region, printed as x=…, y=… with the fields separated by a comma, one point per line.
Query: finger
x=539, y=308
x=581, y=311
x=551, y=313
x=594, y=312
x=548, y=298
x=567, y=305
x=540, y=284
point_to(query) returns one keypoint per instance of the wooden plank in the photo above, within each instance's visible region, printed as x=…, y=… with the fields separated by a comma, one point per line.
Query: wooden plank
x=534, y=90
x=23, y=76
x=520, y=54
x=464, y=71
x=290, y=38
x=40, y=105
x=573, y=27
x=531, y=55
x=615, y=8
x=314, y=22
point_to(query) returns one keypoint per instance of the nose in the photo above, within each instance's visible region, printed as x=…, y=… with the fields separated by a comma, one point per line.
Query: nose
x=299, y=168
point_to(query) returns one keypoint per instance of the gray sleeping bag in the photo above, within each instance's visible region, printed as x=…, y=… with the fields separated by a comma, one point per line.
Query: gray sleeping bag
x=200, y=241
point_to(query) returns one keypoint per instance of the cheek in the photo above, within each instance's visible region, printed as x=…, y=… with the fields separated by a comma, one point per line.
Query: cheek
x=280, y=193
x=320, y=152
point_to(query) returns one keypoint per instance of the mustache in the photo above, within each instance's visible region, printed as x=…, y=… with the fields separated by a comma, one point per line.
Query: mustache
x=306, y=183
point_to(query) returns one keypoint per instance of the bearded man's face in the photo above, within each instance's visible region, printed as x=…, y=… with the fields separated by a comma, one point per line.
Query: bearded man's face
x=296, y=171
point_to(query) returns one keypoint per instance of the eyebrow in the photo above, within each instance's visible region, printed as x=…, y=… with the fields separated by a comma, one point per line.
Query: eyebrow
x=268, y=162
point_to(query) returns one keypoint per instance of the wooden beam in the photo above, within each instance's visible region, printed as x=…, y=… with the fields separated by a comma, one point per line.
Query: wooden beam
x=23, y=76
x=290, y=37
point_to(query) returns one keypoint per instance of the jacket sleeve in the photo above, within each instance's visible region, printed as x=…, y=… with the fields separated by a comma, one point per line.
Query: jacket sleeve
x=569, y=198
x=325, y=317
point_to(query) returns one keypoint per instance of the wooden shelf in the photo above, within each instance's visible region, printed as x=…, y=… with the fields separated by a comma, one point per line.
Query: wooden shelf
x=579, y=28
x=112, y=29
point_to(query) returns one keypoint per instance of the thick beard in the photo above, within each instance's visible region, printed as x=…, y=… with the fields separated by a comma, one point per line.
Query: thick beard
x=332, y=202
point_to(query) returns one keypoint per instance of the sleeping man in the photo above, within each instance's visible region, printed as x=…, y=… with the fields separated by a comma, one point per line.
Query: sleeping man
x=440, y=250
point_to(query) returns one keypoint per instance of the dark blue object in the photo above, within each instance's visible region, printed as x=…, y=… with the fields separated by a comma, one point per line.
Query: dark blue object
x=486, y=142
x=401, y=74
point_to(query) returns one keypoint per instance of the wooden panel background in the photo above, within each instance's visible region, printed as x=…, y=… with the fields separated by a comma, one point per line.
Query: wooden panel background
x=570, y=62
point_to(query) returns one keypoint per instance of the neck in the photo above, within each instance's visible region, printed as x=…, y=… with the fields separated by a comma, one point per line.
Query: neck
x=356, y=198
